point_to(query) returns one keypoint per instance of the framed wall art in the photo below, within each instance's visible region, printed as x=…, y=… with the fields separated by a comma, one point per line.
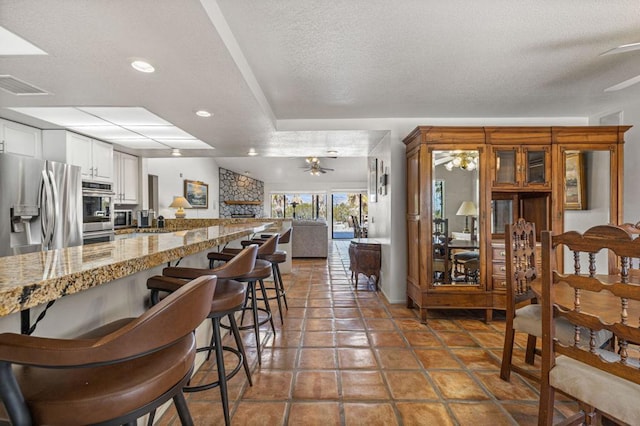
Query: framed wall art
x=575, y=191
x=197, y=194
x=373, y=180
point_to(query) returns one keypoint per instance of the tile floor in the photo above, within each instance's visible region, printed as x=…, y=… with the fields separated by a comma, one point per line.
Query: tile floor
x=348, y=357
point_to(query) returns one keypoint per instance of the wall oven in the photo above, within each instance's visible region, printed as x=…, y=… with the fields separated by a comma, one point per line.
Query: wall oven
x=97, y=212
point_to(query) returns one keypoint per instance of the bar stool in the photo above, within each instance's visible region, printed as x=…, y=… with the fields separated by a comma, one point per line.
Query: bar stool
x=111, y=375
x=228, y=299
x=277, y=257
x=260, y=272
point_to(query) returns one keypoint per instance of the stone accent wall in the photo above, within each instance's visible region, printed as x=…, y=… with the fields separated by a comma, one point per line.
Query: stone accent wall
x=237, y=187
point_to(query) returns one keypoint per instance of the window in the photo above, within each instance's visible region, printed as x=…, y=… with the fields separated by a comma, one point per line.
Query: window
x=299, y=205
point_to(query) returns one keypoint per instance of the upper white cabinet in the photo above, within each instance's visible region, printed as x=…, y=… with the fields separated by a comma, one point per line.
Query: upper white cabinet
x=93, y=156
x=125, y=178
x=19, y=139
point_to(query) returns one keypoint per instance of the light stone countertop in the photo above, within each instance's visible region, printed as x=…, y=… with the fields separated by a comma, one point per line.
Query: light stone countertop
x=30, y=280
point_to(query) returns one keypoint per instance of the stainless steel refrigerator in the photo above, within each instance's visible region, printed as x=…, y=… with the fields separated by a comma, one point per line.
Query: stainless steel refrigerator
x=40, y=205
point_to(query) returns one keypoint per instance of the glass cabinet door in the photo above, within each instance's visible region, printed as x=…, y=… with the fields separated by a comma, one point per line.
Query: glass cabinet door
x=521, y=166
x=501, y=215
x=505, y=166
x=535, y=167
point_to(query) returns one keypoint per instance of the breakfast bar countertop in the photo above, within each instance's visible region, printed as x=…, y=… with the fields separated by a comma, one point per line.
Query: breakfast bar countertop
x=30, y=280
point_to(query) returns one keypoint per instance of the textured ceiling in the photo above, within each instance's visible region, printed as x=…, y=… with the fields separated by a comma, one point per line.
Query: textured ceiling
x=255, y=64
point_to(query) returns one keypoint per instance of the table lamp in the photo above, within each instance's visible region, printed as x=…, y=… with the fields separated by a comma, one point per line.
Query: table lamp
x=180, y=203
x=467, y=208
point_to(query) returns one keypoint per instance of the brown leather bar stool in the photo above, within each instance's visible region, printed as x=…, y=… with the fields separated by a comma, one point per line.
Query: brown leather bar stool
x=260, y=272
x=228, y=299
x=111, y=375
x=277, y=257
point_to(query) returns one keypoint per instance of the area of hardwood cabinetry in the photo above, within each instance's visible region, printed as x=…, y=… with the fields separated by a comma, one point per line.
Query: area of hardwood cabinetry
x=521, y=167
x=125, y=178
x=520, y=157
x=521, y=174
x=16, y=138
x=499, y=252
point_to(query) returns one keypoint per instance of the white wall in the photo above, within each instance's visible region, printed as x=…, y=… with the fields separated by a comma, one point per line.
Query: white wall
x=171, y=174
x=629, y=115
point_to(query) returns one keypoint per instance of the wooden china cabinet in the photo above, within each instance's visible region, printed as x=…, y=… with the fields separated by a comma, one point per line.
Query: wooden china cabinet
x=510, y=172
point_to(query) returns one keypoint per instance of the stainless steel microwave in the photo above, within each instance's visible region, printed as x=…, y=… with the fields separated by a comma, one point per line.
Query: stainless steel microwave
x=122, y=218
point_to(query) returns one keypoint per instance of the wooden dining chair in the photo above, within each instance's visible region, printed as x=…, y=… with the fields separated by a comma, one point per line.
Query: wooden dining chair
x=523, y=313
x=522, y=310
x=466, y=263
x=603, y=381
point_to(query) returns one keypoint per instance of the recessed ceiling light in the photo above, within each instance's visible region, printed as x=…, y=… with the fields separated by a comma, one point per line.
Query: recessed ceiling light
x=176, y=152
x=143, y=66
x=203, y=113
x=332, y=152
x=252, y=152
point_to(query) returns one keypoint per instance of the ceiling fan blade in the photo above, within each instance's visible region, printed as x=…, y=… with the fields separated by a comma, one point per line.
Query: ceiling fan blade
x=622, y=49
x=326, y=168
x=624, y=84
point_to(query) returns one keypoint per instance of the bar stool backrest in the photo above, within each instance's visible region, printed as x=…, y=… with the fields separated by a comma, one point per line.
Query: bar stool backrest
x=165, y=323
x=270, y=245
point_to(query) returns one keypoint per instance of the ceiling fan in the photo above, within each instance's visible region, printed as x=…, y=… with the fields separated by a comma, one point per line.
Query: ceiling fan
x=623, y=49
x=313, y=166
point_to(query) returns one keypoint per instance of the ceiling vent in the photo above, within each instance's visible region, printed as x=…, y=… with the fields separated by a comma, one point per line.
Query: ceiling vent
x=18, y=87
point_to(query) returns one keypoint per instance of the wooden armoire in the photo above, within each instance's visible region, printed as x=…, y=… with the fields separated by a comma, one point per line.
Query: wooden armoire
x=538, y=173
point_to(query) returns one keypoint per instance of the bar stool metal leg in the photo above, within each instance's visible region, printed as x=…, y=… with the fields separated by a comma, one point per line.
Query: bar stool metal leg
x=267, y=306
x=221, y=371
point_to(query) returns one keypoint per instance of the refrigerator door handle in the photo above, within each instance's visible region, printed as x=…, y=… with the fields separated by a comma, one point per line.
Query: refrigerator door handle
x=45, y=196
x=55, y=203
x=46, y=212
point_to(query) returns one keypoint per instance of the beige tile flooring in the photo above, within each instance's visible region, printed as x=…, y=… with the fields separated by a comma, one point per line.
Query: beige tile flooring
x=348, y=357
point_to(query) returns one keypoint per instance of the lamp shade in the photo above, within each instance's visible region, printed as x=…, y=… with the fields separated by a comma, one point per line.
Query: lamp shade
x=180, y=203
x=467, y=208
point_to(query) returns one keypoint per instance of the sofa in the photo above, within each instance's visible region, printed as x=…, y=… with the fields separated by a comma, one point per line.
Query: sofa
x=310, y=238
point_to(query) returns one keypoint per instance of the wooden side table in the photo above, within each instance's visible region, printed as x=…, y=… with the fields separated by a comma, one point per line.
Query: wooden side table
x=364, y=258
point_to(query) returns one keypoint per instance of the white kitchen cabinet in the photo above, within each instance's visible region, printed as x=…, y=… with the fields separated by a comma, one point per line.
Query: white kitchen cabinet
x=93, y=156
x=16, y=138
x=125, y=178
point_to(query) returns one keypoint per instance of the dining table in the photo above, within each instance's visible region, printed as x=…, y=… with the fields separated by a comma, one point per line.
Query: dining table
x=463, y=245
x=604, y=303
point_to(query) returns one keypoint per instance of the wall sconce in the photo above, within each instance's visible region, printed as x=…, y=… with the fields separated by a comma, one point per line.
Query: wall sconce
x=180, y=203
